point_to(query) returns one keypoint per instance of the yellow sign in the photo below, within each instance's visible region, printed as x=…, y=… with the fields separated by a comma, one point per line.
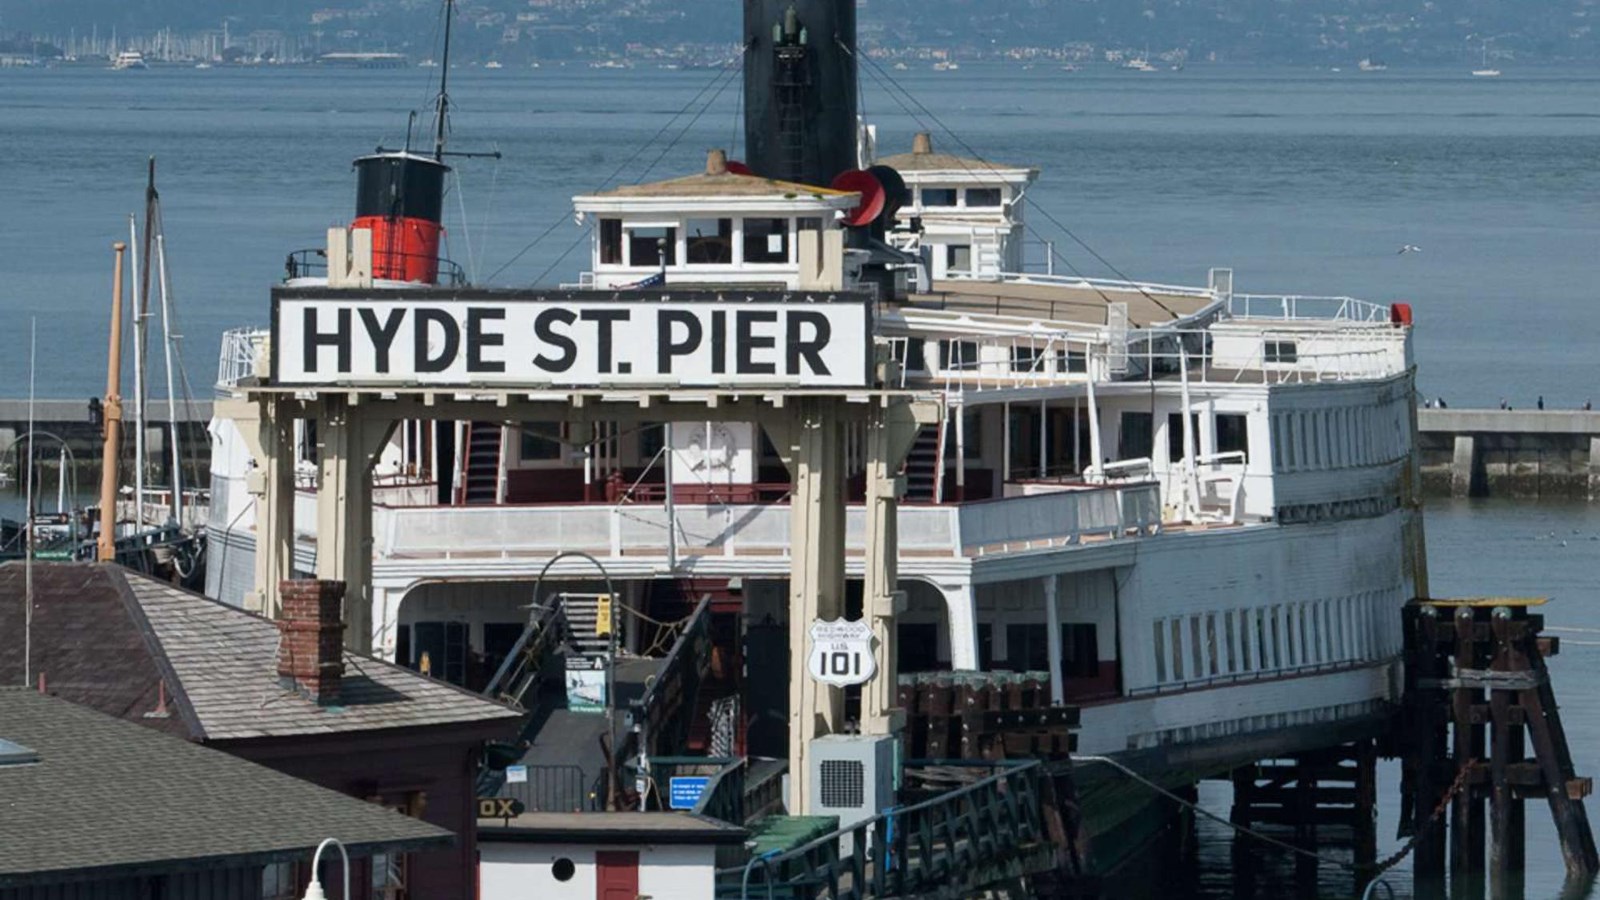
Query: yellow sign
x=602, y=615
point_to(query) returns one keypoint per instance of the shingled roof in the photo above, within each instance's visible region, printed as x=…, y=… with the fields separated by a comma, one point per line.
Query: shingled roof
x=109, y=798
x=105, y=637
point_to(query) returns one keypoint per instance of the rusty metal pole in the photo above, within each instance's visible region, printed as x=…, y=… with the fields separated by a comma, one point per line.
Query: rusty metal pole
x=106, y=549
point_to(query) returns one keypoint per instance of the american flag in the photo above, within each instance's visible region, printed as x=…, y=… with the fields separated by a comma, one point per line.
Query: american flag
x=655, y=280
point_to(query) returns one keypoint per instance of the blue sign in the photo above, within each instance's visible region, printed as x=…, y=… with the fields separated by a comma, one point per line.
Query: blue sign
x=685, y=791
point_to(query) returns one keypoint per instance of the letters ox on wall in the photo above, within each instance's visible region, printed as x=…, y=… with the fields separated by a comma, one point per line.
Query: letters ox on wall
x=571, y=340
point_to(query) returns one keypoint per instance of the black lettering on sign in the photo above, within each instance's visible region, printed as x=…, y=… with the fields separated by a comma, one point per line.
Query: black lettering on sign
x=604, y=319
x=719, y=342
x=339, y=339
x=382, y=335
x=477, y=339
x=422, y=329
x=749, y=342
x=666, y=347
x=796, y=347
x=544, y=330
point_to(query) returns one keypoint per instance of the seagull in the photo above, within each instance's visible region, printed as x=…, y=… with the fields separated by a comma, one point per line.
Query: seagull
x=1409, y=248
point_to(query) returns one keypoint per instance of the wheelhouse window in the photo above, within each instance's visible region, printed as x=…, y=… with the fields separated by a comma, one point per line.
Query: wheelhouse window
x=611, y=242
x=708, y=241
x=766, y=240
x=1026, y=359
x=652, y=246
x=911, y=354
x=958, y=355
x=1175, y=452
x=938, y=197
x=1071, y=360
x=1136, y=437
x=1282, y=352
x=986, y=197
x=958, y=258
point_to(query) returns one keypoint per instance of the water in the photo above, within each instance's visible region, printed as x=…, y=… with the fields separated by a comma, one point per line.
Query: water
x=1303, y=181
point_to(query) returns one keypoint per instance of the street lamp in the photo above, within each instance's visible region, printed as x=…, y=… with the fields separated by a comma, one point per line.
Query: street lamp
x=314, y=889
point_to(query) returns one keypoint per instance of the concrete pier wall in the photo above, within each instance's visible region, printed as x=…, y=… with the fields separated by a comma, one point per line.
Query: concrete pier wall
x=72, y=423
x=1510, y=453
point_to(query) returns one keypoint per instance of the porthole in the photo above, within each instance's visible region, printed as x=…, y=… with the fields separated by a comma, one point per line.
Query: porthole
x=563, y=869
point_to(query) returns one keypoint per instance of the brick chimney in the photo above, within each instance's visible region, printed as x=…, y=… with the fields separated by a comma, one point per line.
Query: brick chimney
x=311, y=645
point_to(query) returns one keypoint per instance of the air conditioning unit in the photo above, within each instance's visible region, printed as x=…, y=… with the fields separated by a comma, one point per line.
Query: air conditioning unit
x=852, y=776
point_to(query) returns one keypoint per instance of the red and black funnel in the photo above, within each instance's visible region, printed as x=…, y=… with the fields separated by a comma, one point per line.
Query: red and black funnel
x=400, y=198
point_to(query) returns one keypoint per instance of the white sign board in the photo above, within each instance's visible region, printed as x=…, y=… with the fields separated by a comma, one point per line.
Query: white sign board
x=570, y=341
x=841, y=653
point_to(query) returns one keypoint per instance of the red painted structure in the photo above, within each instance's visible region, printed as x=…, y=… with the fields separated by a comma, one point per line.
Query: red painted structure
x=400, y=199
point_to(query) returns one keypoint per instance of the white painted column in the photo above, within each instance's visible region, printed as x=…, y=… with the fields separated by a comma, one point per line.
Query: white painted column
x=890, y=433
x=1052, y=620
x=961, y=452
x=961, y=611
x=270, y=441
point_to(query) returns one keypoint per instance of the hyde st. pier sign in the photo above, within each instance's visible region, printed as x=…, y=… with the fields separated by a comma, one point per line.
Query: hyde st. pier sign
x=570, y=340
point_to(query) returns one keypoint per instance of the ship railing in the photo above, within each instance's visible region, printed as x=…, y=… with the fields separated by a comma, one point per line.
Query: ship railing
x=313, y=263
x=1058, y=518
x=1101, y=284
x=241, y=347
x=1305, y=308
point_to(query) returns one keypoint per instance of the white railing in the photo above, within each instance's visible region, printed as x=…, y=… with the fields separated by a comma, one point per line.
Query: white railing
x=240, y=347
x=1309, y=308
x=974, y=529
x=1095, y=284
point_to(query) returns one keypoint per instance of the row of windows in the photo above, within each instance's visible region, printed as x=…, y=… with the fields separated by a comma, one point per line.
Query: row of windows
x=712, y=241
x=949, y=197
x=957, y=355
x=1136, y=435
x=1337, y=437
x=1284, y=636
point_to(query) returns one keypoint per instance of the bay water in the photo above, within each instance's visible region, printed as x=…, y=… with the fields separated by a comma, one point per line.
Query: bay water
x=1303, y=181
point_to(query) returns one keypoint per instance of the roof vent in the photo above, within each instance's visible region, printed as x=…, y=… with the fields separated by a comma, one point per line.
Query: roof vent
x=16, y=754
x=717, y=162
x=922, y=144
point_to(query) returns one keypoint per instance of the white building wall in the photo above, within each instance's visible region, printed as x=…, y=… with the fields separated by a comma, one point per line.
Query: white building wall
x=519, y=871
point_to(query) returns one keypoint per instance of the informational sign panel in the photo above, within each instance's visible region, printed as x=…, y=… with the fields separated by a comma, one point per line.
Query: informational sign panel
x=685, y=791
x=349, y=338
x=586, y=685
x=841, y=653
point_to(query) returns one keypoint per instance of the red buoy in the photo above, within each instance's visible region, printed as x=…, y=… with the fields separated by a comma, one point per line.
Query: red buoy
x=1400, y=314
x=858, y=181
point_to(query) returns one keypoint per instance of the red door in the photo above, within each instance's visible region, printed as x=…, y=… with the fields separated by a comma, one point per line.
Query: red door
x=618, y=874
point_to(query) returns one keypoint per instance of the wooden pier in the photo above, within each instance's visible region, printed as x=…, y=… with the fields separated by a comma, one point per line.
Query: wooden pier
x=1479, y=700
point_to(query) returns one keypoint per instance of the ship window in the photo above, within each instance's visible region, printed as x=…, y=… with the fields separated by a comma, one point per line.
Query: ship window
x=911, y=354
x=960, y=355
x=766, y=240
x=1024, y=424
x=611, y=241
x=1282, y=352
x=938, y=196
x=985, y=647
x=541, y=442
x=1232, y=642
x=1213, y=657
x=1277, y=637
x=708, y=241
x=440, y=650
x=958, y=258
x=1196, y=647
x=1177, y=649
x=1027, y=648
x=983, y=196
x=1244, y=640
x=652, y=436
x=1159, y=637
x=1071, y=360
x=1175, y=436
x=1080, y=650
x=652, y=246
x=1026, y=359
x=1232, y=434
x=1135, y=439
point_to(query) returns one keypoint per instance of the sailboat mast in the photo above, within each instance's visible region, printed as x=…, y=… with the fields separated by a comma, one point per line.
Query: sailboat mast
x=444, y=81
x=138, y=383
x=106, y=550
x=172, y=399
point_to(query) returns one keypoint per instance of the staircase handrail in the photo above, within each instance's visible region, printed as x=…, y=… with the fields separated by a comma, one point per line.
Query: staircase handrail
x=681, y=654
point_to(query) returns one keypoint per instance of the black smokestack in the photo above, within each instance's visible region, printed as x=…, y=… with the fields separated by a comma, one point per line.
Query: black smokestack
x=800, y=88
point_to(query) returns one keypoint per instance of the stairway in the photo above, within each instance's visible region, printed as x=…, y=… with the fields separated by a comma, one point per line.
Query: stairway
x=480, y=465
x=582, y=612
x=922, y=467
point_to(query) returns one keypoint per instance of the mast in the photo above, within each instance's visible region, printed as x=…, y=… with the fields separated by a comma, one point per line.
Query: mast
x=138, y=384
x=444, y=81
x=106, y=549
x=141, y=350
x=27, y=536
x=172, y=400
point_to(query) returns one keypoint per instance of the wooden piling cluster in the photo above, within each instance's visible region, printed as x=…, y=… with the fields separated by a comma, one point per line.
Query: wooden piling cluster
x=1327, y=796
x=984, y=715
x=1478, y=700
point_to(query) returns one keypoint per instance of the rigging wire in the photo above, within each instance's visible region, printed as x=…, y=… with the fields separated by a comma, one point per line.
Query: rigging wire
x=638, y=151
x=648, y=169
x=885, y=78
